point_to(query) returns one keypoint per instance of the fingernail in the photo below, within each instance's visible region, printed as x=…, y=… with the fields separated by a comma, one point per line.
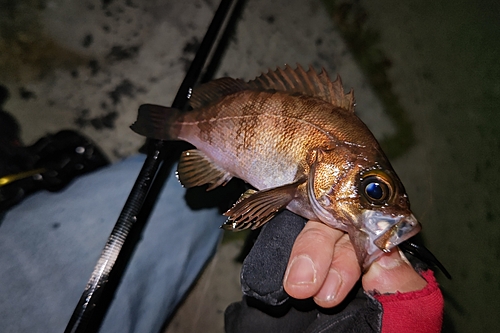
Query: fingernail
x=331, y=287
x=390, y=261
x=403, y=257
x=301, y=271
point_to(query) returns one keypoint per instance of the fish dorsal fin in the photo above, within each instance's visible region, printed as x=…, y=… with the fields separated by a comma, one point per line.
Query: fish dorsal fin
x=211, y=91
x=307, y=83
x=288, y=80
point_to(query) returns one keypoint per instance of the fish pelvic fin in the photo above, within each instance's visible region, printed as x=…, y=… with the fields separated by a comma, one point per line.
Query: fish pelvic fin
x=196, y=169
x=255, y=208
x=308, y=83
x=156, y=122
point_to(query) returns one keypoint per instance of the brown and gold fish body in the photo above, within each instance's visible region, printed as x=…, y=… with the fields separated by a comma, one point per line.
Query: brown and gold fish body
x=292, y=135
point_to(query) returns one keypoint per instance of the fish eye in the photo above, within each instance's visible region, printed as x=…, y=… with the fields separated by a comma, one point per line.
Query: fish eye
x=375, y=190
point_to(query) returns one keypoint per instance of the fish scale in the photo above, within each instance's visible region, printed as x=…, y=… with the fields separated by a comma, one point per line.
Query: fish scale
x=293, y=135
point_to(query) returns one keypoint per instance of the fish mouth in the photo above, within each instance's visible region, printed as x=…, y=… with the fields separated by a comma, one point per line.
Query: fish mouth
x=386, y=231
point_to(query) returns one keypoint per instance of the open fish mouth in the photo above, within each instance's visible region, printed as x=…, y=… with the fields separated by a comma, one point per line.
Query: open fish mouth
x=386, y=231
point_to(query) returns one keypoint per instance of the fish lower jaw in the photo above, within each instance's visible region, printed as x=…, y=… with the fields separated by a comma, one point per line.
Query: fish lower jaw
x=385, y=232
x=377, y=245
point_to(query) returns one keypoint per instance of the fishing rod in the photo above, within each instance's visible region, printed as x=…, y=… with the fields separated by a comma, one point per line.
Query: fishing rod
x=106, y=276
x=95, y=300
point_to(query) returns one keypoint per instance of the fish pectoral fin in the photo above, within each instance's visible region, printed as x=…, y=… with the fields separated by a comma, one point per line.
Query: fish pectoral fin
x=196, y=169
x=255, y=208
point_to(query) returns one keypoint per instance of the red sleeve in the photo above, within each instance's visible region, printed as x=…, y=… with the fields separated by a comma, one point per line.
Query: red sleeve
x=416, y=312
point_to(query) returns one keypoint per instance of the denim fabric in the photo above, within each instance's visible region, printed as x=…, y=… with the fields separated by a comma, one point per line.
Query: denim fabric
x=50, y=243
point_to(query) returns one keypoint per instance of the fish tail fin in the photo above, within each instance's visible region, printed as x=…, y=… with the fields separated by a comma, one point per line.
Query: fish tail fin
x=156, y=122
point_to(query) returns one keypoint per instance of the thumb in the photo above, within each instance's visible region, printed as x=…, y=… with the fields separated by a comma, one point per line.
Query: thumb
x=391, y=273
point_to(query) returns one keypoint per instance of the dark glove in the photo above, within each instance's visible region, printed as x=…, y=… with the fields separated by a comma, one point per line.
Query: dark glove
x=266, y=307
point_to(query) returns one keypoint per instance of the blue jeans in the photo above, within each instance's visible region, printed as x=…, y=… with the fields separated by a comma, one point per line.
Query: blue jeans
x=50, y=243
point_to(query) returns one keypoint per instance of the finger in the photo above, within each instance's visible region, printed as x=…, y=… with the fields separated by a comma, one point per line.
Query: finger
x=343, y=274
x=391, y=273
x=310, y=259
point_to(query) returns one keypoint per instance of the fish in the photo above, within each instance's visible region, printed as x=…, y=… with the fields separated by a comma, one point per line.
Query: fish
x=293, y=135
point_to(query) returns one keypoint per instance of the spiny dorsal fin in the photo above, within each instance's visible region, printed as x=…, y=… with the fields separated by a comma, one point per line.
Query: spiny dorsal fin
x=288, y=80
x=307, y=83
x=211, y=91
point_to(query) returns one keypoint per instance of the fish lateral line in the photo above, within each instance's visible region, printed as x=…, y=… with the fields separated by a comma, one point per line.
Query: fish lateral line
x=307, y=123
x=333, y=139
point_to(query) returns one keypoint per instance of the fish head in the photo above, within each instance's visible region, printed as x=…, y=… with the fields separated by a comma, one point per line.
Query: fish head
x=362, y=196
x=384, y=219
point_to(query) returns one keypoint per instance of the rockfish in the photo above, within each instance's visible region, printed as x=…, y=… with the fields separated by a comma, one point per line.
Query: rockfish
x=293, y=135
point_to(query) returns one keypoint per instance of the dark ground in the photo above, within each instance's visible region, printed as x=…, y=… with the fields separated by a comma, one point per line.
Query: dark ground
x=433, y=64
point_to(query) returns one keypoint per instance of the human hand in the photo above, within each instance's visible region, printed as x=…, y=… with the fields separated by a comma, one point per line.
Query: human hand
x=323, y=265
x=267, y=285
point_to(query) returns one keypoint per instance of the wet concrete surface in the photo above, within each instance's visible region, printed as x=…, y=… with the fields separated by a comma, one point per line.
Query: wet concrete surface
x=88, y=66
x=446, y=74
